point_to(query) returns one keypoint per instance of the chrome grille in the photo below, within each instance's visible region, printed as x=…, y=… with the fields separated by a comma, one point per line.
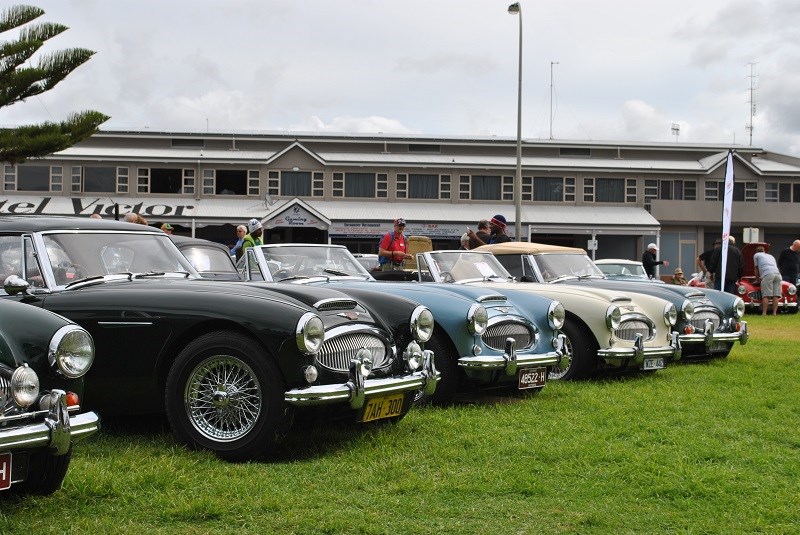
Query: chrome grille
x=755, y=296
x=628, y=329
x=495, y=335
x=335, y=304
x=699, y=318
x=336, y=353
x=5, y=391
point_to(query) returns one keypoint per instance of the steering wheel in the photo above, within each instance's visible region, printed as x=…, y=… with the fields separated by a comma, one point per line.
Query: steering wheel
x=447, y=276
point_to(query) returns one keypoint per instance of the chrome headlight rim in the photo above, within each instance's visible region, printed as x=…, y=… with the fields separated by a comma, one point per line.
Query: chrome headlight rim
x=741, y=289
x=791, y=289
x=71, y=351
x=421, y=324
x=670, y=314
x=413, y=356
x=24, y=386
x=310, y=333
x=738, y=308
x=477, y=319
x=556, y=315
x=613, y=317
x=687, y=310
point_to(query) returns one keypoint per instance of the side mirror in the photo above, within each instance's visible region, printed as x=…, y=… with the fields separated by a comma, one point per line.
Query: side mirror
x=15, y=284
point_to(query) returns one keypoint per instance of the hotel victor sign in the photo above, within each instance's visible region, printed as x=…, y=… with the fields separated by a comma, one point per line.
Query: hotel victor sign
x=88, y=206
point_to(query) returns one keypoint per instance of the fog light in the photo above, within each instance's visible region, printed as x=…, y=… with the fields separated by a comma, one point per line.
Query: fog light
x=310, y=373
x=365, y=361
x=24, y=386
x=476, y=350
x=413, y=356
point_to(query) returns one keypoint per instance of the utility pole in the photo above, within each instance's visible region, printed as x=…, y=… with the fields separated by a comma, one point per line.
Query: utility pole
x=752, y=77
x=551, y=96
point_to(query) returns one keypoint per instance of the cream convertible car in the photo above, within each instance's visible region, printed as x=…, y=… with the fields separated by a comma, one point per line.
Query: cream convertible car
x=604, y=329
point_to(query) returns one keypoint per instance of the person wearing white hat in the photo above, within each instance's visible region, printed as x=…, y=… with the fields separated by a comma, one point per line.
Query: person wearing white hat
x=650, y=262
x=253, y=236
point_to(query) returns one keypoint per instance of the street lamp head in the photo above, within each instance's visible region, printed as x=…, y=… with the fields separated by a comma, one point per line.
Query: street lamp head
x=514, y=8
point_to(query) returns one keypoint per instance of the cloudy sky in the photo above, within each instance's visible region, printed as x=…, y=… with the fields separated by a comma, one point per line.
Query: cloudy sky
x=622, y=69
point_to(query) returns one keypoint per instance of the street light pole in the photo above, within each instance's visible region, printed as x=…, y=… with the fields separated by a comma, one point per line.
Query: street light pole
x=516, y=9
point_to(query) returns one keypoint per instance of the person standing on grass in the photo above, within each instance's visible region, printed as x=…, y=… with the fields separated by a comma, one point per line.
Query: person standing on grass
x=789, y=262
x=766, y=268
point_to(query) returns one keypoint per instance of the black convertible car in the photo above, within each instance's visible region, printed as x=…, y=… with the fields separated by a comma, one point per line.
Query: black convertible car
x=230, y=364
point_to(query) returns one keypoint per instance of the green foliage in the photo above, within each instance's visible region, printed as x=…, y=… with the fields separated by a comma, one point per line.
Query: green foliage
x=697, y=448
x=19, y=81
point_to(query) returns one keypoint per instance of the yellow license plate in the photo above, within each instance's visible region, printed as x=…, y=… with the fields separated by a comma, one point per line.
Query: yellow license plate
x=383, y=407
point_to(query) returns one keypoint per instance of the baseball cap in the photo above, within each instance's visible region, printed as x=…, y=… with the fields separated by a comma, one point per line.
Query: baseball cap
x=166, y=226
x=652, y=246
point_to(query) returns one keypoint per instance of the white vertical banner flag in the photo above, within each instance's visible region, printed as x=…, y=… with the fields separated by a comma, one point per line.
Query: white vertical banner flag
x=726, y=217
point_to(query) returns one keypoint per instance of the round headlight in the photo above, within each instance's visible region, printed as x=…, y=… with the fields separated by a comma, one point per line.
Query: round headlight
x=738, y=307
x=613, y=317
x=670, y=314
x=310, y=333
x=71, y=351
x=791, y=289
x=413, y=356
x=24, y=386
x=556, y=315
x=421, y=324
x=477, y=319
x=741, y=290
x=687, y=309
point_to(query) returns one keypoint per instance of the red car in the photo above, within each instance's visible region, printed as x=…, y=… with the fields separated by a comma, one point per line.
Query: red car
x=749, y=288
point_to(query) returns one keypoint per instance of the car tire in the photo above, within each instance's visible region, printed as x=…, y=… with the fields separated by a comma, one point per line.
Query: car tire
x=239, y=417
x=446, y=362
x=581, y=354
x=46, y=473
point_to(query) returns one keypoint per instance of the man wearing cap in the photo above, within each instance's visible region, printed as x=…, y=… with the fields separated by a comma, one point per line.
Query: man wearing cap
x=649, y=260
x=393, y=249
x=497, y=232
x=167, y=228
x=678, y=278
x=253, y=236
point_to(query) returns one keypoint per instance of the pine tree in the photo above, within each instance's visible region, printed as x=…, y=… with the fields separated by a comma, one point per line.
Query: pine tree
x=20, y=80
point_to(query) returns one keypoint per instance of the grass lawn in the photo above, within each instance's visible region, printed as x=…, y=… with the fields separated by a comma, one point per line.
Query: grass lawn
x=696, y=448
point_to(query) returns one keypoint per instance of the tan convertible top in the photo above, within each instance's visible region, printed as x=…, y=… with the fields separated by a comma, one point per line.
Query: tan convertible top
x=520, y=247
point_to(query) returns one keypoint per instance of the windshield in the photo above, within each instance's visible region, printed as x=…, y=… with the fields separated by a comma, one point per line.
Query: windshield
x=309, y=261
x=633, y=269
x=209, y=259
x=456, y=266
x=74, y=256
x=554, y=266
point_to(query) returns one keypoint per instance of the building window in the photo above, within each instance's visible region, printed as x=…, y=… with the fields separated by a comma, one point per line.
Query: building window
x=359, y=185
x=10, y=177
x=143, y=180
x=273, y=182
x=527, y=188
x=575, y=151
x=188, y=181
x=463, y=187
x=402, y=186
x=338, y=184
x=609, y=190
x=296, y=183
x=444, y=186
x=33, y=178
x=485, y=188
x=412, y=147
x=548, y=189
x=318, y=186
x=230, y=182
x=631, y=190
x=508, y=188
x=209, y=181
x=100, y=179
x=423, y=186
x=781, y=192
x=742, y=191
x=166, y=180
x=253, y=182
x=383, y=185
x=588, y=190
x=193, y=143
x=56, y=178
x=76, y=178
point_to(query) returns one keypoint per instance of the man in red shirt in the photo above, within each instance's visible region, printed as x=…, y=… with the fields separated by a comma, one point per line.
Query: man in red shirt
x=393, y=249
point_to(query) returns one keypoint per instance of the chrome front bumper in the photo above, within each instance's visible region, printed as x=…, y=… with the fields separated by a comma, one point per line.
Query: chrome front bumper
x=708, y=337
x=58, y=430
x=357, y=389
x=639, y=352
x=510, y=361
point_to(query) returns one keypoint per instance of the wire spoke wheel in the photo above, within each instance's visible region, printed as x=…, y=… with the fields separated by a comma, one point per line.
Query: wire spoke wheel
x=223, y=398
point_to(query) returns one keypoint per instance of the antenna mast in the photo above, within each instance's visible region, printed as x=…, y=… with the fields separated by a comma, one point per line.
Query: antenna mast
x=752, y=90
x=551, y=97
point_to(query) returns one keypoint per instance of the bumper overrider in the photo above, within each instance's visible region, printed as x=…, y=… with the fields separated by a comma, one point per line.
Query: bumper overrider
x=709, y=337
x=57, y=431
x=510, y=361
x=358, y=388
x=639, y=352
